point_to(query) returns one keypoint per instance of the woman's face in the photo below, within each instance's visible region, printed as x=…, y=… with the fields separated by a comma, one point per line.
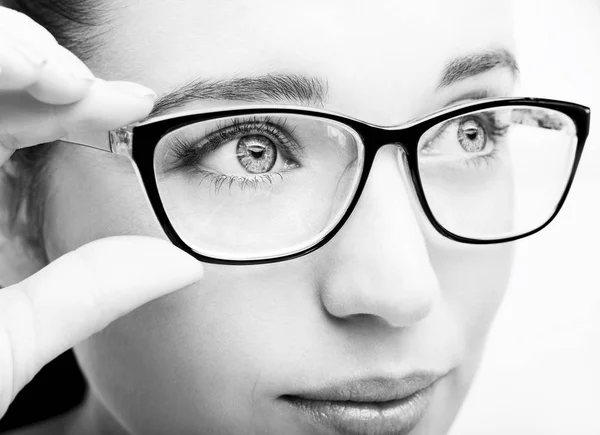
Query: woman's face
x=388, y=297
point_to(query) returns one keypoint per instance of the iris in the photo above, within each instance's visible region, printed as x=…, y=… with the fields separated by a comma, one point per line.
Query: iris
x=471, y=136
x=256, y=153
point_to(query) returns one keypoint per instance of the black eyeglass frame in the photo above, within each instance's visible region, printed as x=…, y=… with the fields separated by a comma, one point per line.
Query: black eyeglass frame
x=144, y=137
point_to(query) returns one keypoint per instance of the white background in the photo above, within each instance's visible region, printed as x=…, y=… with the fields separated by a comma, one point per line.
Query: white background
x=541, y=370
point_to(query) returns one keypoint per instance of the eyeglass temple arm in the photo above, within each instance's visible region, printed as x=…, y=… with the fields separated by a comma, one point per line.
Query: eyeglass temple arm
x=115, y=141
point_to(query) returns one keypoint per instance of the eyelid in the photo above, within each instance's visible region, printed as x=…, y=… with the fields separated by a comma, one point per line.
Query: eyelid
x=469, y=97
x=264, y=124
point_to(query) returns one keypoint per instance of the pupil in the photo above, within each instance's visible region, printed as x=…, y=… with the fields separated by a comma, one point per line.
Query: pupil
x=472, y=134
x=256, y=154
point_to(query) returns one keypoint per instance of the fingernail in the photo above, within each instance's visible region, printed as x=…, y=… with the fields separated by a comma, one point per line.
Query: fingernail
x=134, y=89
x=84, y=75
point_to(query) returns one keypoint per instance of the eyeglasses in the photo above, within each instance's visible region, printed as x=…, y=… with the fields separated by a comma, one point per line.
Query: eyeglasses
x=264, y=184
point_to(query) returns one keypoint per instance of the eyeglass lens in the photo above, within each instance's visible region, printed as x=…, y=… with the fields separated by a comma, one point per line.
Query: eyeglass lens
x=257, y=186
x=497, y=173
x=269, y=185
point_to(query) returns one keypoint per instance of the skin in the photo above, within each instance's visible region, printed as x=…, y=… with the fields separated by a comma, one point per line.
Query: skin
x=387, y=296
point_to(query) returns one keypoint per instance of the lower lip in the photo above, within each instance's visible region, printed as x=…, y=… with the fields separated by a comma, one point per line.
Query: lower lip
x=397, y=417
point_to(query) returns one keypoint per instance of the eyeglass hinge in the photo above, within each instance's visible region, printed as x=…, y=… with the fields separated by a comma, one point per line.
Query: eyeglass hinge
x=121, y=141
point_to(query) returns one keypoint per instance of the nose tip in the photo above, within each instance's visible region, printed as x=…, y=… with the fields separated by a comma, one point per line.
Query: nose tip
x=398, y=305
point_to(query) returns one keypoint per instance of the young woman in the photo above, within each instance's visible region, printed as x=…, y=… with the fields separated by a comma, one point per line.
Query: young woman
x=336, y=185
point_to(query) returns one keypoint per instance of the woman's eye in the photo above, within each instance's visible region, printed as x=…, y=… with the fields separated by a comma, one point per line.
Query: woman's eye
x=248, y=154
x=463, y=137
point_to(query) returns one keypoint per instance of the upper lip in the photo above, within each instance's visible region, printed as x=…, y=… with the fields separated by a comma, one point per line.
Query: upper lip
x=371, y=389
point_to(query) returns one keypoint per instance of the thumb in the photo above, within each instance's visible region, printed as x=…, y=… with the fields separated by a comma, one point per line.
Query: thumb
x=81, y=293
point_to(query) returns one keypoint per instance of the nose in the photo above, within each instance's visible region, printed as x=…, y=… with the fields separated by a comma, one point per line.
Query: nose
x=378, y=266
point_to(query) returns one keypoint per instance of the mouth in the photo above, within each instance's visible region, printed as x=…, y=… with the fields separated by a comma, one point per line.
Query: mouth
x=372, y=406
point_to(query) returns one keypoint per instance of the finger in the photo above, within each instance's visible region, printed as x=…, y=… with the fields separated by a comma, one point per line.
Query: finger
x=25, y=30
x=63, y=79
x=37, y=63
x=107, y=105
x=25, y=47
x=58, y=77
x=82, y=292
x=19, y=68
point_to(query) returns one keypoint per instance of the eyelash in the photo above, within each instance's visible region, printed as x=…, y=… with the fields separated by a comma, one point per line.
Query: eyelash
x=217, y=181
x=237, y=127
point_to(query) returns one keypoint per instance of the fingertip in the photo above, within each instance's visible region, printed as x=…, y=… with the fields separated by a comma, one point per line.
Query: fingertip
x=152, y=262
x=175, y=259
x=108, y=106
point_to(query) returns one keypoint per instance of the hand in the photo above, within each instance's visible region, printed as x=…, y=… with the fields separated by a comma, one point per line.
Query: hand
x=46, y=93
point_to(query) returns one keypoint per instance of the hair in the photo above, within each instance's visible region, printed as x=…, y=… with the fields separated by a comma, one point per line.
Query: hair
x=26, y=174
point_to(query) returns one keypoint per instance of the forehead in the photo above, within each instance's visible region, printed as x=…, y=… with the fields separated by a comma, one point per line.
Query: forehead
x=388, y=54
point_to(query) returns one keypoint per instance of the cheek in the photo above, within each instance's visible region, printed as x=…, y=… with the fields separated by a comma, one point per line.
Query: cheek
x=233, y=341
x=93, y=195
x=474, y=280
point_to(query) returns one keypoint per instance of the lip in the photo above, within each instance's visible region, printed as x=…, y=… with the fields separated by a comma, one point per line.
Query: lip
x=368, y=406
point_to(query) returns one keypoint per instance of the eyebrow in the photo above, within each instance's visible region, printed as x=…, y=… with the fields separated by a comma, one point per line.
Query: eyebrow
x=309, y=90
x=471, y=65
x=292, y=88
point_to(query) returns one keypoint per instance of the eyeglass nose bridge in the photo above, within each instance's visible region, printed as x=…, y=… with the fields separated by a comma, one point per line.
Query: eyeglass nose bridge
x=404, y=138
x=405, y=141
